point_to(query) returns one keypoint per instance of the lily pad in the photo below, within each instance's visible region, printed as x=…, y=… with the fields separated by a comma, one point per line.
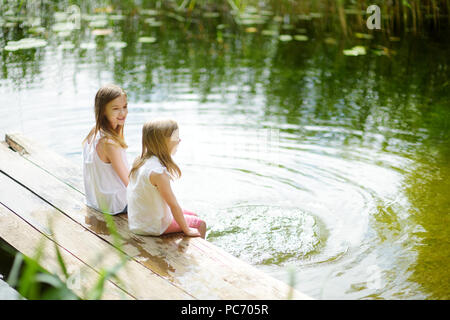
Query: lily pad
x=176, y=16
x=94, y=17
x=107, y=9
x=63, y=34
x=269, y=32
x=251, y=29
x=155, y=24
x=250, y=21
x=355, y=51
x=88, y=45
x=116, y=17
x=287, y=27
x=379, y=52
x=25, y=43
x=32, y=22
x=10, y=24
x=247, y=18
x=147, y=39
x=315, y=15
x=251, y=9
x=330, y=41
x=116, y=44
x=60, y=16
x=304, y=17
x=102, y=32
x=278, y=19
x=300, y=37
x=363, y=36
x=98, y=23
x=285, y=37
x=152, y=22
x=37, y=30
x=266, y=12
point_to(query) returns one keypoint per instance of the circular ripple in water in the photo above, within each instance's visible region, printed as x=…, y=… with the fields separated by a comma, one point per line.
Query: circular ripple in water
x=263, y=234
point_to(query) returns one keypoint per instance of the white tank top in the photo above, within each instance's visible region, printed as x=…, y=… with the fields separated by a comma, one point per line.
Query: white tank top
x=148, y=212
x=104, y=189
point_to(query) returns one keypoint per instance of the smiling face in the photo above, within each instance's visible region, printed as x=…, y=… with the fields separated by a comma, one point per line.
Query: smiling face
x=116, y=111
x=173, y=142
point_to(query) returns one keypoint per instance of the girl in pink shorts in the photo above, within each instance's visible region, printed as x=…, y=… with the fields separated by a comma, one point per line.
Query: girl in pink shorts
x=152, y=206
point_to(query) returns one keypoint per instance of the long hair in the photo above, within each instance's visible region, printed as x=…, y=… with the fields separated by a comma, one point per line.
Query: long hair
x=155, y=134
x=105, y=95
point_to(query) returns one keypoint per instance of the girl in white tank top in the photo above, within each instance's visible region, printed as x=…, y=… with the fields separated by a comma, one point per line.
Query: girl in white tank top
x=152, y=207
x=104, y=189
x=105, y=165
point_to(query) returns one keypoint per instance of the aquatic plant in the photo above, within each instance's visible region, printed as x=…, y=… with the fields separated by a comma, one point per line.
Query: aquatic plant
x=33, y=282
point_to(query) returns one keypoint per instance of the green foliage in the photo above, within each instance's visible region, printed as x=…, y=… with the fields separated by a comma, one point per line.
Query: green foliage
x=35, y=283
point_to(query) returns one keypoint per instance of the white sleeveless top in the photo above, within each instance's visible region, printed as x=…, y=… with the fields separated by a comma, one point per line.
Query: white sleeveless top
x=103, y=187
x=148, y=212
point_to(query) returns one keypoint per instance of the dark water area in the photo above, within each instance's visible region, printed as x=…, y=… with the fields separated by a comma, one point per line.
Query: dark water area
x=300, y=158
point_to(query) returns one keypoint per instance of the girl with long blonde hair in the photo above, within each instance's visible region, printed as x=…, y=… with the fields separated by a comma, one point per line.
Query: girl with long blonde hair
x=105, y=166
x=152, y=206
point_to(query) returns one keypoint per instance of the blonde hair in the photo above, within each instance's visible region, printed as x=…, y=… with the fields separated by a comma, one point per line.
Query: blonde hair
x=105, y=95
x=155, y=134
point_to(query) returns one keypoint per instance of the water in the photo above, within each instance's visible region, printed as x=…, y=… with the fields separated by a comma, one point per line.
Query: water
x=297, y=156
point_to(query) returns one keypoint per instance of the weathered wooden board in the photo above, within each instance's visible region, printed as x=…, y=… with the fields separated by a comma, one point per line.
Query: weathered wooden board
x=197, y=266
x=86, y=246
x=26, y=239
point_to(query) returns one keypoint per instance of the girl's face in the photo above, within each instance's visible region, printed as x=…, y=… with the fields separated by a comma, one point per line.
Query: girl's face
x=116, y=111
x=173, y=142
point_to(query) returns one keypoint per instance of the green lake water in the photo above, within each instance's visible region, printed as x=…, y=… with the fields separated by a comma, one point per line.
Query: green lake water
x=300, y=159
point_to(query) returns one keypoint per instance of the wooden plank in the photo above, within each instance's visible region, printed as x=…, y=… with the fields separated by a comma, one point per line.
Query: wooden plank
x=53, y=162
x=13, y=229
x=98, y=254
x=247, y=281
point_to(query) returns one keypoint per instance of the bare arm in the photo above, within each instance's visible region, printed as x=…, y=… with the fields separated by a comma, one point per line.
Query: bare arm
x=162, y=182
x=113, y=153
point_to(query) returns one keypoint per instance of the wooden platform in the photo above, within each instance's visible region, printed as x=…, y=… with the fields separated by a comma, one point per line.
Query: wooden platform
x=42, y=202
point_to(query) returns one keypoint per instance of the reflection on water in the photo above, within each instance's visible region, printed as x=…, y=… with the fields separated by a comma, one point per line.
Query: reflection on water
x=296, y=155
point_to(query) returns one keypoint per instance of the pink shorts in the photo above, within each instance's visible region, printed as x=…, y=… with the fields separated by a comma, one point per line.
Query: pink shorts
x=191, y=219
